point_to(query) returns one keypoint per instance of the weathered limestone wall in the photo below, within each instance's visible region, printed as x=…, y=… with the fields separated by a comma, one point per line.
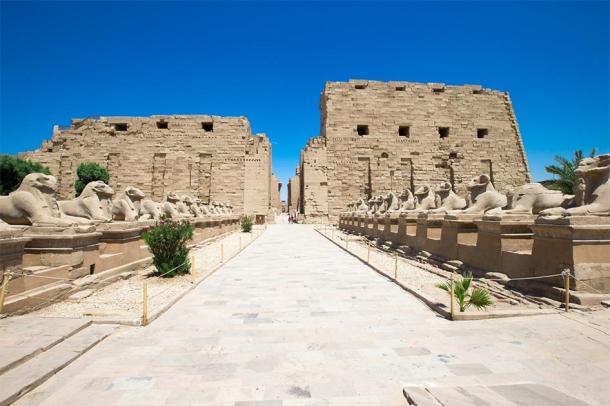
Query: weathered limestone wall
x=276, y=201
x=258, y=175
x=314, y=180
x=201, y=155
x=294, y=192
x=387, y=136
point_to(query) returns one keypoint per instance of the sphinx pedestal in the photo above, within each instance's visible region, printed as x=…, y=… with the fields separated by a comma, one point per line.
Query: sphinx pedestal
x=12, y=245
x=504, y=244
x=121, y=244
x=57, y=246
x=410, y=226
x=390, y=229
x=360, y=224
x=459, y=236
x=428, y=232
x=579, y=243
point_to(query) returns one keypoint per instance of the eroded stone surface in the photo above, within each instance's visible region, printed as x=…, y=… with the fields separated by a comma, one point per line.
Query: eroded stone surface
x=296, y=319
x=208, y=157
x=379, y=137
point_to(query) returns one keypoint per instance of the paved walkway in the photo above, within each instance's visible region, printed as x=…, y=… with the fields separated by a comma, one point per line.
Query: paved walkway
x=294, y=320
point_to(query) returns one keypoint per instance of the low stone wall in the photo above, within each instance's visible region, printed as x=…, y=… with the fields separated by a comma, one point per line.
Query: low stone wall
x=519, y=246
x=49, y=263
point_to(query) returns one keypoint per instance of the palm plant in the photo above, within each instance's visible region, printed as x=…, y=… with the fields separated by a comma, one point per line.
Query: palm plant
x=563, y=171
x=477, y=297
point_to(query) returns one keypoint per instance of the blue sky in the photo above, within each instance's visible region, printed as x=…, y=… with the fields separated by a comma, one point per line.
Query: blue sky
x=269, y=62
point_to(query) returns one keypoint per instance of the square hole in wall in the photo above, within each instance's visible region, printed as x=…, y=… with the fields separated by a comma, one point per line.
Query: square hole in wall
x=438, y=90
x=443, y=132
x=360, y=86
x=207, y=126
x=453, y=155
x=404, y=131
x=120, y=127
x=482, y=132
x=362, y=129
x=401, y=88
x=163, y=125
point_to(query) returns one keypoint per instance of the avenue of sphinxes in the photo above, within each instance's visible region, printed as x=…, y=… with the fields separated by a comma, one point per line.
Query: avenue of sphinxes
x=435, y=175
x=301, y=203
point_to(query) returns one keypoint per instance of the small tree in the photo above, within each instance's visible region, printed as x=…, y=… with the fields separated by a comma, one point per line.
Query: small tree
x=167, y=241
x=89, y=172
x=564, y=172
x=14, y=169
x=477, y=297
x=246, y=224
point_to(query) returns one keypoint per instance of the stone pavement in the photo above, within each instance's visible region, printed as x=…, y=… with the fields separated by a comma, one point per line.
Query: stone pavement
x=294, y=320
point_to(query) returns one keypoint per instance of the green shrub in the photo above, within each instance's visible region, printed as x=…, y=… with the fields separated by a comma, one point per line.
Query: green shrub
x=477, y=297
x=13, y=170
x=167, y=241
x=89, y=172
x=246, y=224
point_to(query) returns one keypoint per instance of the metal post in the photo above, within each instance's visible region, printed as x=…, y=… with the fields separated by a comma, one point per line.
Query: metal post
x=452, y=296
x=222, y=252
x=347, y=243
x=240, y=242
x=368, y=253
x=566, y=287
x=5, y=280
x=333, y=235
x=145, y=304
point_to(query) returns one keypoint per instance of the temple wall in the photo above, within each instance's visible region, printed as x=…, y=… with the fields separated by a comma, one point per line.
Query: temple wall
x=387, y=136
x=294, y=191
x=314, y=181
x=276, y=201
x=204, y=156
x=258, y=175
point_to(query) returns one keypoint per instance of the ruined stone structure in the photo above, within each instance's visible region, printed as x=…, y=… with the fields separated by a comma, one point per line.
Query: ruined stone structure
x=258, y=192
x=209, y=157
x=294, y=192
x=276, y=201
x=380, y=137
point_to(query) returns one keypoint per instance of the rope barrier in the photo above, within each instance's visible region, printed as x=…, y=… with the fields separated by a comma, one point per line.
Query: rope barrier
x=40, y=276
x=163, y=291
x=563, y=273
x=97, y=284
x=519, y=279
x=586, y=284
x=10, y=276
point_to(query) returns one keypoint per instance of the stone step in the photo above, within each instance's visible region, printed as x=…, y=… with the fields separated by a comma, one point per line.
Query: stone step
x=35, y=298
x=419, y=396
x=122, y=271
x=517, y=394
x=104, y=256
x=20, y=380
x=36, y=277
x=23, y=337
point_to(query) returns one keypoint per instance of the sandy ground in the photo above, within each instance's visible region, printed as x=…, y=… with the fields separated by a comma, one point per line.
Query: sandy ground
x=423, y=278
x=123, y=299
x=295, y=320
